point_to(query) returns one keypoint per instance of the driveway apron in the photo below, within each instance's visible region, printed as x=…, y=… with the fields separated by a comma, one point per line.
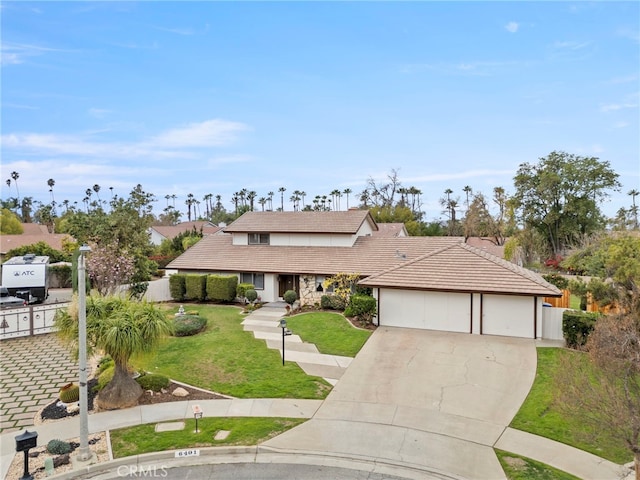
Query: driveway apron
x=437, y=401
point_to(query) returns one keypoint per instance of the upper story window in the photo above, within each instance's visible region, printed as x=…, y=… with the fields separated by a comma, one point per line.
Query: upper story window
x=258, y=239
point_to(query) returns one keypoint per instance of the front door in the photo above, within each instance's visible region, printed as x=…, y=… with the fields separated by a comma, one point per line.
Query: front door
x=288, y=282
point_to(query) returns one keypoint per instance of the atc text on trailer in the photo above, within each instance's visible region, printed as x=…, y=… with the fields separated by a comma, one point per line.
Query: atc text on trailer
x=27, y=277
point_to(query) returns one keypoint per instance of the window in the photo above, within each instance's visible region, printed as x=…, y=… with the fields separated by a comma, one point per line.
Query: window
x=256, y=279
x=319, y=284
x=258, y=239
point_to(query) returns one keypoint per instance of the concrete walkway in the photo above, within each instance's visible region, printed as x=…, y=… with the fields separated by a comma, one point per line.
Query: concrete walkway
x=264, y=323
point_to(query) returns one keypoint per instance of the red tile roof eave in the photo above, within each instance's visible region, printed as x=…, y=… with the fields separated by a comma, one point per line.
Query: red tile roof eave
x=453, y=290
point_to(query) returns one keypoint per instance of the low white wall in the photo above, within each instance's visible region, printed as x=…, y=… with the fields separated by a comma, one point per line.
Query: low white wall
x=552, y=323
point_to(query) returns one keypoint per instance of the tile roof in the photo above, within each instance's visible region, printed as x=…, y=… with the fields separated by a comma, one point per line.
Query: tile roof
x=389, y=229
x=9, y=242
x=172, y=231
x=34, y=229
x=462, y=268
x=367, y=256
x=347, y=222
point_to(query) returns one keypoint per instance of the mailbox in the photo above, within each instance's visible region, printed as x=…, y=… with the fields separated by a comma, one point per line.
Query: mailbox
x=26, y=441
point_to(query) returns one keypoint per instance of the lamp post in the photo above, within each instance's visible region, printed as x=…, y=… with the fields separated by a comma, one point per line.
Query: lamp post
x=285, y=332
x=84, y=453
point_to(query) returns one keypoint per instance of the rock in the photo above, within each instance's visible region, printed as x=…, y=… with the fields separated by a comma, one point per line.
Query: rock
x=150, y=392
x=61, y=460
x=180, y=392
x=73, y=408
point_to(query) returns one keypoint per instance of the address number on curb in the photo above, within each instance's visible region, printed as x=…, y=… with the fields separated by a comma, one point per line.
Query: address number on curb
x=187, y=453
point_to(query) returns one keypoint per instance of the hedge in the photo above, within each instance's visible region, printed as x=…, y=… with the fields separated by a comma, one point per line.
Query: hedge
x=177, y=286
x=221, y=288
x=187, y=325
x=242, y=288
x=576, y=327
x=195, y=287
x=332, y=302
x=361, y=306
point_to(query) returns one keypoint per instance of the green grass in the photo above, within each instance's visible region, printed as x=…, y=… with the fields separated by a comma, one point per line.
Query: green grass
x=244, y=431
x=517, y=467
x=539, y=415
x=574, y=302
x=330, y=332
x=228, y=360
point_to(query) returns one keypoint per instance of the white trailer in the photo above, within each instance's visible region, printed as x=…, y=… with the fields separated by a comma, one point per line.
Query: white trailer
x=27, y=277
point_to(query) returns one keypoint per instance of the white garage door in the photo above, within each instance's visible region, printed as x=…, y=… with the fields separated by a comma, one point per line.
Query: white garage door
x=450, y=312
x=508, y=315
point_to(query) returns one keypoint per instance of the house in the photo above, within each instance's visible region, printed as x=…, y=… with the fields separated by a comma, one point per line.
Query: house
x=32, y=233
x=391, y=230
x=158, y=233
x=420, y=282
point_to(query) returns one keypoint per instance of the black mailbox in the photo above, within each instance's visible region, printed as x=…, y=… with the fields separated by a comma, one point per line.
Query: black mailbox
x=26, y=441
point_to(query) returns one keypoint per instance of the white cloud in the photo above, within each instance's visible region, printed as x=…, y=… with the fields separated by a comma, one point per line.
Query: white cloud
x=620, y=124
x=98, y=112
x=512, y=27
x=210, y=133
x=612, y=107
x=571, y=45
x=16, y=53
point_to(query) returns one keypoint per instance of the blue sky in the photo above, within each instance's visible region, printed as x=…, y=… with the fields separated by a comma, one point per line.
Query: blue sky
x=213, y=97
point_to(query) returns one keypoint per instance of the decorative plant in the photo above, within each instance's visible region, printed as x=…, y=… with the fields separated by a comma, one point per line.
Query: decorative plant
x=58, y=447
x=69, y=393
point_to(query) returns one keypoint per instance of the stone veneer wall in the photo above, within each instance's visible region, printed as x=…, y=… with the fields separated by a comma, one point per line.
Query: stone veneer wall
x=308, y=294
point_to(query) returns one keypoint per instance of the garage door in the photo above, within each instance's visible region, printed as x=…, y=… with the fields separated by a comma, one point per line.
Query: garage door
x=508, y=315
x=427, y=310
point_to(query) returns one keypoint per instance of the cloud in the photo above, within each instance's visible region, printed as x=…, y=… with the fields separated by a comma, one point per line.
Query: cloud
x=177, y=31
x=98, y=112
x=210, y=133
x=16, y=53
x=512, y=27
x=620, y=124
x=474, y=68
x=633, y=35
x=612, y=107
x=570, y=45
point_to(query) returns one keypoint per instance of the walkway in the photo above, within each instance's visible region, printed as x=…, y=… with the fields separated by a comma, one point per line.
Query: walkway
x=264, y=323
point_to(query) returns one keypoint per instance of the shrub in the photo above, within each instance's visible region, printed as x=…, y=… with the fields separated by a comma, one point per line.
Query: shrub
x=62, y=274
x=177, y=286
x=104, y=363
x=251, y=295
x=557, y=280
x=576, y=327
x=69, y=393
x=332, y=302
x=58, y=447
x=153, y=381
x=221, y=288
x=195, y=287
x=187, y=325
x=241, y=289
x=290, y=296
x=105, y=377
x=363, y=307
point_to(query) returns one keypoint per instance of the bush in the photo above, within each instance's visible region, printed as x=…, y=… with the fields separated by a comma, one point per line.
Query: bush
x=290, y=296
x=576, y=327
x=241, y=289
x=251, y=295
x=105, y=377
x=557, y=280
x=61, y=274
x=221, y=288
x=177, y=286
x=332, y=302
x=104, y=363
x=363, y=307
x=187, y=325
x=58, y=447
x=195, y=287
x=153, y=381
x=69, y=393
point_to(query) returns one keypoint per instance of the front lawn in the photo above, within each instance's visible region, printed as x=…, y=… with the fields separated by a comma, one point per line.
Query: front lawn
x=331, y=333
x=243, y=431
x=228, y=360
x=539, y=415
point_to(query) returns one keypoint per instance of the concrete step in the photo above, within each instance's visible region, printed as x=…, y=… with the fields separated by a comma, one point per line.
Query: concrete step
x=276, y=336
x=324, y=371
x=297, y=347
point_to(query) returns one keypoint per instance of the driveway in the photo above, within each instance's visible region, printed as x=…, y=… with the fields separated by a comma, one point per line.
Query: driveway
x=436, y=401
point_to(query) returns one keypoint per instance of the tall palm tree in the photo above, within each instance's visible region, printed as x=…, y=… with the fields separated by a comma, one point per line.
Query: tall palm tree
x=262, y=201
x=15, y=175
x=251, y=196
x=96, y=188
x=111, y=190
x=302, y=195
x=468, y=191
x=207, y=204
x=167, y=197
x=282, y=190
x=634, y=208
x=51, y=182
x=270, y=195
x=347, y=191
x=189, y=202
x=120, y=328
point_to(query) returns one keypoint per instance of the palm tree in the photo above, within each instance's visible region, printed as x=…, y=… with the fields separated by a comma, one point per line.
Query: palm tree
x=262, y=201
x=15, y=175
x=270, y=195
x=302, y=195
x=111, y=190
x=167, y=197
x=96, y=188
x=347, y=191
x=207, y=204
x=634, y=208
x=173, y=197
x=120, y=328
x=51, y=182
x=251, y=196
x=282, y=190
x=468, y=191
x=189, y=202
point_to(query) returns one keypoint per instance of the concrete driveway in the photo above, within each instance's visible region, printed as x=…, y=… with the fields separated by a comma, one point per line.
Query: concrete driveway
x=435, y=401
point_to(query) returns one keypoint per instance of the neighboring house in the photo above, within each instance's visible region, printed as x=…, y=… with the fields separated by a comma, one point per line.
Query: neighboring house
x=158, y=233
x=486, y=244
x=420, y=282
x=391, y=230
x=32, y=233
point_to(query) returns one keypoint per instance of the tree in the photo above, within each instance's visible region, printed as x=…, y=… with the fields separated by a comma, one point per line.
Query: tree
x=51, y=182
x=15, y=175
x=109, y=267
x=9, y=223
x=347, y=191
x=559, y=197
x=633, y=211
x=282, y=190
x=121, y=329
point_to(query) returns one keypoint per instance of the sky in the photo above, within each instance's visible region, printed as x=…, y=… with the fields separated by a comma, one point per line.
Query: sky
x=213, y=97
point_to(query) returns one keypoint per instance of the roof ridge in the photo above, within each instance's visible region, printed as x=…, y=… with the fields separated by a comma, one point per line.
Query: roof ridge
x=518, y=270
